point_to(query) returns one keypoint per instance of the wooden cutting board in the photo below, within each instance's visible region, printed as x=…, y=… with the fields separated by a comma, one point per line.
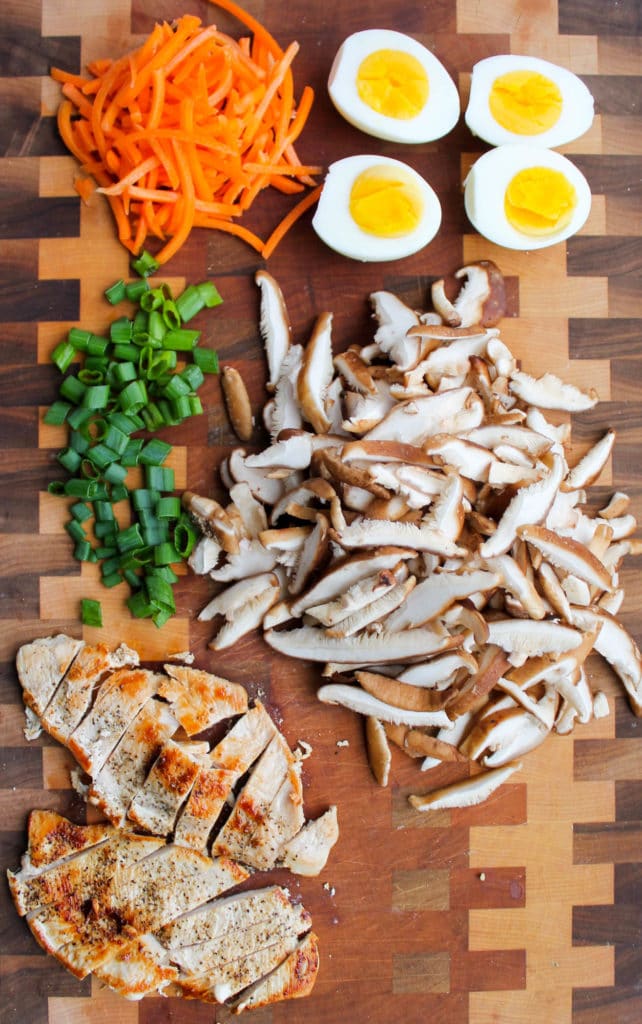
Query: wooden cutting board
x=526, y=910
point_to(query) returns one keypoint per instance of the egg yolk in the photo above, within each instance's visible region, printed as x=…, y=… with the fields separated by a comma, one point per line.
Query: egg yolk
x=525, y=102
x=539, y=201
x=385, y=203
x=393, y=83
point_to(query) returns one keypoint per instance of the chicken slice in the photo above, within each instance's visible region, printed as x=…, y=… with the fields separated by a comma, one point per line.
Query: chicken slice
x=119, y=700
x=73, y=697
x=307, y=852
x=246, y=740
x=199, y=699
x=292, y=979
x=52, y=838
x=159, y=799
x=41, y=665
x=70, y=882
x=114, y=787
x=136, y=970
x=284, y=819
x=150, y=894
x=216, y=920
x=203, y=808
x=230, y=978
x=253, y=803
x=263, y=923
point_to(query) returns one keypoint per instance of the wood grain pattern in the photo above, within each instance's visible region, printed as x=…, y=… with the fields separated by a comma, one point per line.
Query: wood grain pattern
x=528, y=908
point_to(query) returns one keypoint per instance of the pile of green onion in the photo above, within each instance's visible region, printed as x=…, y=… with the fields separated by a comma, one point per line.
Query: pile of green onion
x=129, y=386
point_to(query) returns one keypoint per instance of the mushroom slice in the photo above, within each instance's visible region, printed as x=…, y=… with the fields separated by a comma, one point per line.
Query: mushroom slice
x=432, y=596
x=419, y=743
x=530, y=505
x=439, y=672
x=314, y=644
x=358, y=596
x=418, y=419
x=274, y=324
x=284, y=412
x=375, y=611
x=591, y=465
x=554, y=591
x=374, y=533
x=293, y=452
x=205, y=555
x=237, y=402
x=251, y=559
x=356, y=373
x=401, y=695
x=363, y=412
x=618, y=505
x=482, y=300
x=618, y=647
x=452, y=359
x=264, y=487
x=350, y=474
x=379, y=756
x=471, y=460
x=249, y=615
x=568, y=555
x=312, y=554
x=395, y=319
x=386, y=451
x=549, y=392
x=212, y=520
x=251, y=511
x=356, y=699
x=524, y=636
x=233, y=598
x=316, y=374
x=346, y=572
x=495, y=435
x=474, y=691
x=516, y=582
x=467, y=792
x=285, y=543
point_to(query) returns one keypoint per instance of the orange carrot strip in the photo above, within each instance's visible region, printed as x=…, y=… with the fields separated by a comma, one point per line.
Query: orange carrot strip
x=290, y=218
x=134, y=175
x=231, y=227
x=188, y=213
x=85, y=188
x=66, y=77
x=259, y=31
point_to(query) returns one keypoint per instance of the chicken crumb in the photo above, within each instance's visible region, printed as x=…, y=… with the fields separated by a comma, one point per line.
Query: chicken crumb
x=305, y=751
x=329, y=888
x=482, y=876
x=186, y=657
x=343, y=743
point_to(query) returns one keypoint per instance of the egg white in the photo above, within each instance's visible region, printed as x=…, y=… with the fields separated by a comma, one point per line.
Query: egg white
x=440, y=113
x=575, y=118
x=335, y=226
x=486, y=184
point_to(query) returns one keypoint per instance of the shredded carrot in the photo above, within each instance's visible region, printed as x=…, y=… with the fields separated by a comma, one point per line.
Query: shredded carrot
x=85, y=188
x=187, y=130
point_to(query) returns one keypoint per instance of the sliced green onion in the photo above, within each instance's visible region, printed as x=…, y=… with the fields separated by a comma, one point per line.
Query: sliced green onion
x=165, y=572
x=209, y=292
x=155, y=452
x=130, y=455
x=116, y=439
x=63, y=355
x=73, y=389
x=124, y=351
x=145, y=264
x=129, y=538
x=206, y=359
x=104, y=528
x=116, y=292
x=143, y=497
x=140, y=606
x=112, y=579
x=133, y=578
x=104, y=512
x=166, y=554
x=119, y=493
x=181, y=339
x=153, y=417
x=133, y=397
x=77, y=488
x=91, y=612
x=83, y=552
x=176, y=387
x=168, y=507
x=69, y=459
x=80, y=511
x=122, y=373
x=56, y=487
x=193, y=375
x=159, y=478
x=96, y=396
x=185, y=538
x=79, y=338
x=160, y=592
x=75, y=530
x=100, y=455
x=78, y=416
x=91, y=376
x=97, y=346
x=56, y=414
x=136, y=289
x=120, y=331
x=115, y=473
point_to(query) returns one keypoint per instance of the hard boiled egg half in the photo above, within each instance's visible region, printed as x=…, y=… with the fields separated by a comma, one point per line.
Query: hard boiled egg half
x=525, y=197
x=388, y=85
x=374, y=208
x=514, y=99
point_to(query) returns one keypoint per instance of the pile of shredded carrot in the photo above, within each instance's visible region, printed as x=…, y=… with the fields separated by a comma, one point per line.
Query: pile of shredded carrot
x=187, y=130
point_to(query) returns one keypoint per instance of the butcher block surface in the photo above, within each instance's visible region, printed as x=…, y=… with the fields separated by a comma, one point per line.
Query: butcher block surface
x=528, y=908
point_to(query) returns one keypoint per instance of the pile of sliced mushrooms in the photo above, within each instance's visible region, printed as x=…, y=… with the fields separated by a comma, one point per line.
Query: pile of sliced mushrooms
x=415, y=528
